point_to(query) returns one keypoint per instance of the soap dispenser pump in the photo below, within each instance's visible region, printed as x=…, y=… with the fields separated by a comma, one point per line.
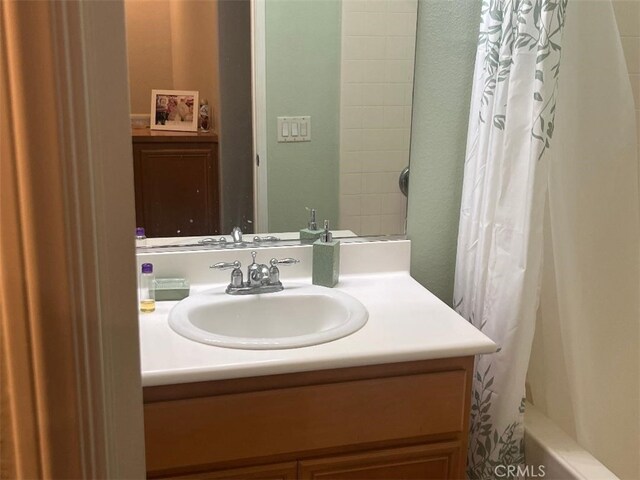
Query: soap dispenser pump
x=326, y=259
x=312, y=232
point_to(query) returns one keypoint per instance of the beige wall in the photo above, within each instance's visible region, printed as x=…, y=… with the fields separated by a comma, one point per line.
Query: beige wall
x=628, y=18
x=172, y=44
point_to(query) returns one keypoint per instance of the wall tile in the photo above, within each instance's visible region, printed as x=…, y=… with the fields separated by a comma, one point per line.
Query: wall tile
x=399, y=71
x=389, y=182
x=396, y=139
x=351, y=117
x=352, y=223
x=353, y=71
x=378, y=5
x=394, y=94
x=408, y=94
x=351, y=94
x=372, y=117
x=374, y=48
x=353, y=48
x=350, y=205
x=401, y=24
x=374, y=71
x=353, y=23
x=402, y=6
x=372, y=94
x=371, y=204
x=394, y=117
x=398, y=48
x=372, y=183
x=355, y=6
x=393, y=203
x=391, y=223
x=351, y=184
x=375, y=23
x=370, y=225
x=351, y=140
x=376, y=162
x=350, y=165
x=374, y=140
x=407, y=117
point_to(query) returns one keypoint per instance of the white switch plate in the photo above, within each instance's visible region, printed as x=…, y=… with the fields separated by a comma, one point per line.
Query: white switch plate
x=294, y=129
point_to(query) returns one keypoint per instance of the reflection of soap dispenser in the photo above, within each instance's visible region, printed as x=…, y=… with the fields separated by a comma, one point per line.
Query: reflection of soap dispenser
x=312, y=232
x=326, y=259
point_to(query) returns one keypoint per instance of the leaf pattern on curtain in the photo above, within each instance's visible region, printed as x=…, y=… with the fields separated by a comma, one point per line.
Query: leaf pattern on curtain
x=512, y=26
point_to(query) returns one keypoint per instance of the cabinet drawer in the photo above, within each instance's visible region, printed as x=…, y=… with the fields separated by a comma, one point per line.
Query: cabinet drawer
x=234, y=427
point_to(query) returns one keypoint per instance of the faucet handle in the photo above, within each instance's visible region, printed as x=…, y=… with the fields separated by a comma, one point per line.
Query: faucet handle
x=236, y=275
x=274, y=272
x=267, y=238
x=226, y=265
x=213, y=241
x=285, y=262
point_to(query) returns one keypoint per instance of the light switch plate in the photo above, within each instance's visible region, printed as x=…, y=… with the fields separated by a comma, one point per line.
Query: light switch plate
x=294, y=129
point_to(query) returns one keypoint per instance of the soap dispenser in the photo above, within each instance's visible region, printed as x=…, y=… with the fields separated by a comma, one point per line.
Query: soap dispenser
x=326, y=259
x=312, y=232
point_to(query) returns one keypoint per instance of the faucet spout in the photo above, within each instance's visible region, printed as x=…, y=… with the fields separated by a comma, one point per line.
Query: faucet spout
x=236, y=235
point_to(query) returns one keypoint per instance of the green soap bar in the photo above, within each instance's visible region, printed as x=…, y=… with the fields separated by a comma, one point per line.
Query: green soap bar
x=171, y=289
x=310, y=236
x=326, y=263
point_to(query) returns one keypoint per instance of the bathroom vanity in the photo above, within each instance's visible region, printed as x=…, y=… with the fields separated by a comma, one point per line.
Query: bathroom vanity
x=390, y=400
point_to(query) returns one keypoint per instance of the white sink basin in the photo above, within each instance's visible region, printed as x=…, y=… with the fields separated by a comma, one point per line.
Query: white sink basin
x=299, y=316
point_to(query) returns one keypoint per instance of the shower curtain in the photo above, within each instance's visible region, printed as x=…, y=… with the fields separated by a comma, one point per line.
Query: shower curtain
x=500, y=237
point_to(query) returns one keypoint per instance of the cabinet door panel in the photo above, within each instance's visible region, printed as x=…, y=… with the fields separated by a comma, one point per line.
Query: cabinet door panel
x=278, y=471
x=176, y=191
x=423, y=462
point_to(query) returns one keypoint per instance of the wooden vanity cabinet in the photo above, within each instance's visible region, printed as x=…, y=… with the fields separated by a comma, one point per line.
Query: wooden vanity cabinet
x=176, y=183
x=403, y=420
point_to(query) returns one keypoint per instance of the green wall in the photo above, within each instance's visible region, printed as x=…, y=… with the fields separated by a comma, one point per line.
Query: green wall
x=445, y=56
x=303, y=78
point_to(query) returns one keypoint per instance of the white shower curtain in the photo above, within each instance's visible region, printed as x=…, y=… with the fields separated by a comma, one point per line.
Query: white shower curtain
x=500, y=238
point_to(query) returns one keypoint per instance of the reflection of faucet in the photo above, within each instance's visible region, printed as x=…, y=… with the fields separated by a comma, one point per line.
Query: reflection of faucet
x=236, y=235
x=266, y=238
x=260, y=277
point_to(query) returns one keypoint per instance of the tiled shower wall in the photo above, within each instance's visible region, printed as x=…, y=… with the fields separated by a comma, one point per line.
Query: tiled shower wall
x=628, y=18
x=378, y=46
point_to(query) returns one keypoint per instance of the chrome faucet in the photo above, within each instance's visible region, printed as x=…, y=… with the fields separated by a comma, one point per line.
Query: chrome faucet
x=236, y=239
x=236, y=235
x=260, y=277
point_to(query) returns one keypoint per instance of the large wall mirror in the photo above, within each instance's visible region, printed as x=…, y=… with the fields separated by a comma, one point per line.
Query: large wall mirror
x=310, y=105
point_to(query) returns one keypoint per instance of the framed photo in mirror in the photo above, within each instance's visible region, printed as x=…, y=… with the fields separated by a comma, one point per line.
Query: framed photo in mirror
x=174, y=110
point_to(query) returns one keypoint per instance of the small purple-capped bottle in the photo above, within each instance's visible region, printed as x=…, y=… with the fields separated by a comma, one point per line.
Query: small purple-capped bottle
x=147, y=289
x=141, y=239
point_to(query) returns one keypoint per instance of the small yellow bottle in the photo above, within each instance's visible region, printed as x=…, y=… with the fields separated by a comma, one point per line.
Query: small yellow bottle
x=147, y=288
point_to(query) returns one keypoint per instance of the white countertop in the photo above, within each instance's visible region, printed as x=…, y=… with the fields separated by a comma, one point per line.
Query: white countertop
x=406, y=323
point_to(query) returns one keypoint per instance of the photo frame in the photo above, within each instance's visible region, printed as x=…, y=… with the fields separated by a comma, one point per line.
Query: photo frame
x=174, y=110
